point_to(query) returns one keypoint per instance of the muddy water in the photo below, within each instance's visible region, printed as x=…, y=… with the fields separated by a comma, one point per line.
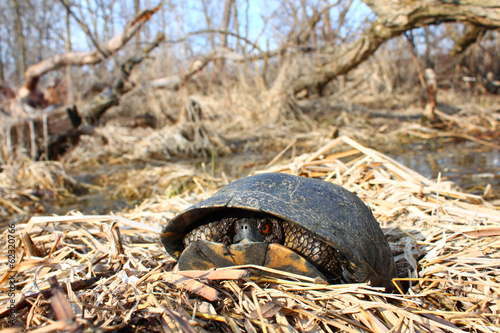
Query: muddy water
x=470, y=165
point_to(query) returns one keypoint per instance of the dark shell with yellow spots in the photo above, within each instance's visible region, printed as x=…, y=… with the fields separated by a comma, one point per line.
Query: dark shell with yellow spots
x=328, y=211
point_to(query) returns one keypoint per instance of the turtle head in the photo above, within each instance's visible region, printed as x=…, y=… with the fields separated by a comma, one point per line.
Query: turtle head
x=254, y=229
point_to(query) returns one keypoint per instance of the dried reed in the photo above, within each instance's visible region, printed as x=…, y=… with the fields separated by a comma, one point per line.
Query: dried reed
x=23, y=183
x=446, y=246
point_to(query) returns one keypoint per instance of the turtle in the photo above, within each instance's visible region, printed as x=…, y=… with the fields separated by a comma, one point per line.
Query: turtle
x=297, y=224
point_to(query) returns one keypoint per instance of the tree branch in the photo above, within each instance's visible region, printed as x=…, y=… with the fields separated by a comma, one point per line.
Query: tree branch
x=87, y=57
x=174, y=82
x=217, y=31
x=101, y=103
x=84, y=27
x=469, y=38
x=411, y=14
x=395, y=18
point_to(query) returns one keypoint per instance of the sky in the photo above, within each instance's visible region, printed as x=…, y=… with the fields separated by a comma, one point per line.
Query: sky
x=193, y=19
x=260, y=18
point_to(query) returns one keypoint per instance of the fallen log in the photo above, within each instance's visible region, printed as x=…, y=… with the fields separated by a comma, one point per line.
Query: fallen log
x=394, y=18
x=111, y=96
x=51, y=132
x=44, y=134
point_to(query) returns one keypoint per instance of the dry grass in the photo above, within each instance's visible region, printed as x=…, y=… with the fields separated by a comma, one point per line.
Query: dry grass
x=166, y=181
x=446, y=246
x=122, y=145
x=24, y=183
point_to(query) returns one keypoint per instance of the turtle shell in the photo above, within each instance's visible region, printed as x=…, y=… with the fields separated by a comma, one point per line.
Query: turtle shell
x=330, y=212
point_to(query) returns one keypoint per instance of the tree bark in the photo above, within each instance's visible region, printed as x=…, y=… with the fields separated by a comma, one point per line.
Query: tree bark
x=47, y=133
x=20, y=38
x=411, y=14
x=1, y=64
x=137, y=8
x=226, y=16
x=69, y=79
x=431, y=92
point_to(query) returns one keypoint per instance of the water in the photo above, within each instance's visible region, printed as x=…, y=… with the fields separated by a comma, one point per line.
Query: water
x=470, y=165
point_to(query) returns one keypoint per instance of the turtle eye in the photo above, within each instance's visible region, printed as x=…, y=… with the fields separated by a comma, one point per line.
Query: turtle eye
x=265, y=228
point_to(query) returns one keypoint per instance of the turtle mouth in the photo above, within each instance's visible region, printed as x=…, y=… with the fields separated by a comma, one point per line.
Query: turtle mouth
x=203, y=255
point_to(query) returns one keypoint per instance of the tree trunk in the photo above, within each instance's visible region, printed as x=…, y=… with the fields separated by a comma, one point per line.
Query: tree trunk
x=52, y=133
x=236, y=29
x=431, y=92
x=137, y=8
x=69, y=79
x=218, y=74
x=47, y=133
x=208, y=22
x=470, y=37
x=1, y=64
x=20, y=39
x=112, y=95
x=226, y=16
x=394, y=18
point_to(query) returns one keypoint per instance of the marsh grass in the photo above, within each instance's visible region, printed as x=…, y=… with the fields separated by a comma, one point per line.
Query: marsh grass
x=446, y=246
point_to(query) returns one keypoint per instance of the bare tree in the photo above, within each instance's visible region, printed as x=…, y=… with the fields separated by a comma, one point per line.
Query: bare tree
x=69, y=79
x=50, y=132
x=208, y=22
x=20, y=38
x=226, y=16
x=137, y=8
x=34, y=72
x=1, y=63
